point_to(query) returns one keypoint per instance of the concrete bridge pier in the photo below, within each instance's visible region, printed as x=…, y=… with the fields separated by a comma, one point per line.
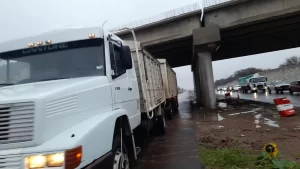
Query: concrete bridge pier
x=206, y=42
x=197, y=87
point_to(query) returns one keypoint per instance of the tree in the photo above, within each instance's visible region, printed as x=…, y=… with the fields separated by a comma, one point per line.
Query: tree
x=294, y=60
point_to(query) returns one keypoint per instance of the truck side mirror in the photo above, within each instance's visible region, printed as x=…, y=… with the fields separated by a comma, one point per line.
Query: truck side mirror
x=127, y=57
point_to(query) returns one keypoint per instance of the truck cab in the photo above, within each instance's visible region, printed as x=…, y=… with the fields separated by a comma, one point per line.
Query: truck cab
x=67, y=98
x=258, y=83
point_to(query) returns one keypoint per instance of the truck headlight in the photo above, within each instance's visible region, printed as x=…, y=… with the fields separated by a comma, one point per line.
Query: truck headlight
x=38, y=161
x=42, y=161
x=55, y=160
x=68, y=159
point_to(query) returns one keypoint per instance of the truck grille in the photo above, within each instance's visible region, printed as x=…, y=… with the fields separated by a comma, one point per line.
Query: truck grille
x=260, y=86
x=10, y=162
x=16, y=123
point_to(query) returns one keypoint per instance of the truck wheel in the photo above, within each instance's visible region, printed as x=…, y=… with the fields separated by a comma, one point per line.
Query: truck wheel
x=170, y=114
x=277, y=91
x=120, y=158
x=169, y=111
x=161, y=125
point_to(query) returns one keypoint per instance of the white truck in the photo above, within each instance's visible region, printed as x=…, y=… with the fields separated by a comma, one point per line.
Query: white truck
x=171, y=90
x=253, y=83
x=74, y=100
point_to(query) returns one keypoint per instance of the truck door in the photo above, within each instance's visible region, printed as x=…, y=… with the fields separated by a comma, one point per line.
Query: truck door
x=122, y=86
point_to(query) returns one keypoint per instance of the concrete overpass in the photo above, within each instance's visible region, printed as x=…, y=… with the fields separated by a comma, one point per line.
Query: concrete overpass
x=231, y=29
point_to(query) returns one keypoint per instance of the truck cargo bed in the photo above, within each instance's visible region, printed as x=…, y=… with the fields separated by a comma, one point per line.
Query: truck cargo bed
x=169, y=79
x=149, y=78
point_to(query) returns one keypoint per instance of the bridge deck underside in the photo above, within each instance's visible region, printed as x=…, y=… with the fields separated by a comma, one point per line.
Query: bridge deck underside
x=263, y=36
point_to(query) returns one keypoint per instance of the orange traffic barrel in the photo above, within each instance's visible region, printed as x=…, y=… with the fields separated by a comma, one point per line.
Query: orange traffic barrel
x=284, y=107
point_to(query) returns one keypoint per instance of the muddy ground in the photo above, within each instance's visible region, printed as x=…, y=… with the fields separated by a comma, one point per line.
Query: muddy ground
x=250, y=125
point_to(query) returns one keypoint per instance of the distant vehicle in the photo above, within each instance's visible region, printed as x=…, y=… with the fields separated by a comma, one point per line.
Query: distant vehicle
x=278, y=86
x=236, y=88
x=219, y=88
x=225, y=88
x=253, y=83
x=295, y=86
x=229, y=88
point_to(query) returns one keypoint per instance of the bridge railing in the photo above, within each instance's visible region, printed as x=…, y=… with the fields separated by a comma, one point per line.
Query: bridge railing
x=170, y=14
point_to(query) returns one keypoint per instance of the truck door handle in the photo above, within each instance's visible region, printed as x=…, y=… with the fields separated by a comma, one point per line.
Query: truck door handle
x=129, y=88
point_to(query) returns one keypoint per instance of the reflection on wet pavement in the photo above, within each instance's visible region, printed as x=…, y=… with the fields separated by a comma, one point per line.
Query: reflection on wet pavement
x=178, y=149
x=265, y=97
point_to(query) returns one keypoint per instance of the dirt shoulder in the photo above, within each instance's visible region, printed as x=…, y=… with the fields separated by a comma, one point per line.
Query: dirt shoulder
x=250, y=125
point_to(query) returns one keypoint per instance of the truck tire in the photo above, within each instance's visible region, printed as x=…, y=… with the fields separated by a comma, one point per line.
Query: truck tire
x=160, y=126
x=120, y=158
x=169, y=111
x=169, y=114
x=175, y=106
x=277, y=91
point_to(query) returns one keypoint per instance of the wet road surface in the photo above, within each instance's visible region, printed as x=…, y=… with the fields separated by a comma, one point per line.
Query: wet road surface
x=178, y=149
x=266, y=97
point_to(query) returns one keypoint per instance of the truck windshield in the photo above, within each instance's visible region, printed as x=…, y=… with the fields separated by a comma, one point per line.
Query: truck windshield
x=52, y=62
x=259, y=79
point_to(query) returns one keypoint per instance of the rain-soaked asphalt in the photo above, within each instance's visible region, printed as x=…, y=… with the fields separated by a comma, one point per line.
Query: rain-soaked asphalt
x=266, y=97
x=178, y=149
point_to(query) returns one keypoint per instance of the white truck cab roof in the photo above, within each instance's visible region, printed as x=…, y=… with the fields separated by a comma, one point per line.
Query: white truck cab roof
x=54, y=36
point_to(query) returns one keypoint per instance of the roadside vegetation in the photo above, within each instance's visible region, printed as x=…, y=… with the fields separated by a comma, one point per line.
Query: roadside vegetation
x=230, y=158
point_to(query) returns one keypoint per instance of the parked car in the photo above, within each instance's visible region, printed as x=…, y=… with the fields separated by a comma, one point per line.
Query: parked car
x=236, y=88
x=278, y=86
x=225, y=88
x=219, y=88
x=295, y=86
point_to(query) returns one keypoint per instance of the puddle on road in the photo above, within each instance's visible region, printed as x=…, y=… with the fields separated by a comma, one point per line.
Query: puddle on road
x=270, y=122
x=258, y=119
x=246, y=112
x=220, y=118
x=298, y=127
x=211, y=117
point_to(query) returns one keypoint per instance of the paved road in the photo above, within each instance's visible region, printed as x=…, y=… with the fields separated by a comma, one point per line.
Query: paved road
x=178, y=149
x=266, y=97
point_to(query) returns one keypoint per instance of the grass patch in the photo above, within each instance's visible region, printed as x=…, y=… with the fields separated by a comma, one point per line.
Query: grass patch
x=228, y=158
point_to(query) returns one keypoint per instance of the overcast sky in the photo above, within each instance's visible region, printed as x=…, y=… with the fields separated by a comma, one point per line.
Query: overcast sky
x=20, y=18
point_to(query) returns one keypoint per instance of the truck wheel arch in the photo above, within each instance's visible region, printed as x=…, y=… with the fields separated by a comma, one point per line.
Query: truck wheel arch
x=123, y=122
